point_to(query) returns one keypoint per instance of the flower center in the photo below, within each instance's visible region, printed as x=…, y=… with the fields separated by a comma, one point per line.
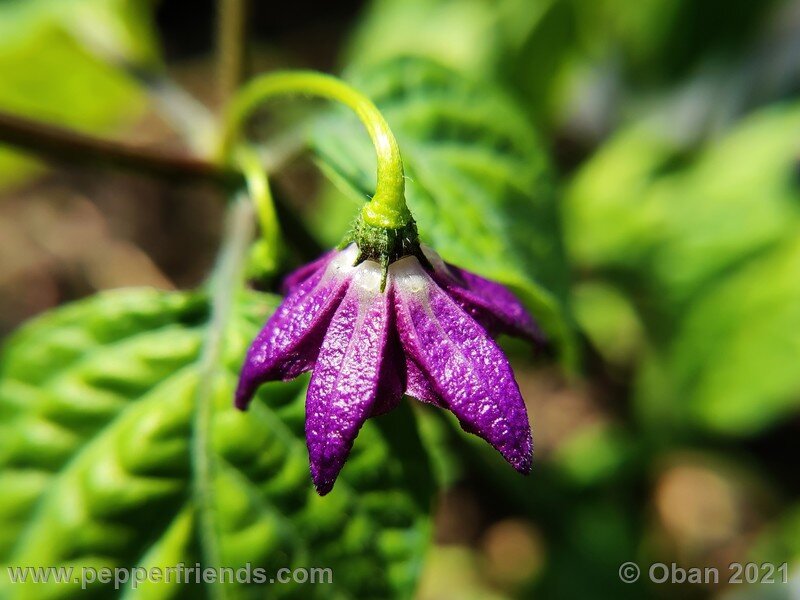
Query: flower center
x=385, y=245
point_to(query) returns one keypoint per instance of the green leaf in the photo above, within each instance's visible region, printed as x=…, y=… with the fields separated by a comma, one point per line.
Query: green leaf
x=472, y=36
x=478, y=180
x=121, y=30
x=637, y=212
x=523, y=43
x=732, y=366
x=660, y=40
x=737, y=201
x=56, y=65
x=461, y=34
x=706, y=251
x=611, y=218
x=99, y=458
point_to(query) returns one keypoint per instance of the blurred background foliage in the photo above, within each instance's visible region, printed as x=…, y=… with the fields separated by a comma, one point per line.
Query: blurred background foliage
x=666, y=171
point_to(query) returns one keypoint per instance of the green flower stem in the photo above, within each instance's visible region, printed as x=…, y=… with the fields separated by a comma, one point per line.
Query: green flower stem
x=388, y=208
x=258, y=188
x=225, y=282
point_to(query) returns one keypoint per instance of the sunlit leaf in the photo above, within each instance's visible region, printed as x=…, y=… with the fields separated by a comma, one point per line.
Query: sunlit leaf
x=705, y=249
x=98, y=458
x=732, y=366
x=521, y=43
x=62, y=62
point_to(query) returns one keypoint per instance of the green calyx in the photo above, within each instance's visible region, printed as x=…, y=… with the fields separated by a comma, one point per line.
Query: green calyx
x=385, y=245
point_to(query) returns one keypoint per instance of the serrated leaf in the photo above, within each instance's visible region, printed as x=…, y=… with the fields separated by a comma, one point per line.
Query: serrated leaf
x=98, y=402
x=478, y=181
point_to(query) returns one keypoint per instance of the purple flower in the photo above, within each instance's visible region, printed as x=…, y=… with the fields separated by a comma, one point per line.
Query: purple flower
x=428, y=334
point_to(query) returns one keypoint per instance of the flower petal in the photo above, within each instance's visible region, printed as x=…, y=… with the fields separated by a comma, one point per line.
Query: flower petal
x=490, y=298
x=298, y=276
x=289, y=343
x=390, y=389
x=417, y=385
x=347, y=376
x=491, y=304
x=464, y=365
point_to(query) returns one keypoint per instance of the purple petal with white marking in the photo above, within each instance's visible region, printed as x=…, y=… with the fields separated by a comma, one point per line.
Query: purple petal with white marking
x=289, y=343
x=347, y=375
x=464, y=365
x=298, y=276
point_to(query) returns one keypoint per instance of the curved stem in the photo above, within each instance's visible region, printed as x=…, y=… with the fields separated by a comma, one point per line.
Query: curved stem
x=388, y=206
x=258, y=188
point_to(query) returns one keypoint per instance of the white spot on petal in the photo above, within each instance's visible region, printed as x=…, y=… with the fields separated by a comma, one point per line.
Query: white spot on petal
x=409, y=276
x=368, y=276
x=342, y=264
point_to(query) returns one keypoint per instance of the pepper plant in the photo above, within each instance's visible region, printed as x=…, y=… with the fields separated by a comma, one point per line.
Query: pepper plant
x=121, y=444
x=530, y=316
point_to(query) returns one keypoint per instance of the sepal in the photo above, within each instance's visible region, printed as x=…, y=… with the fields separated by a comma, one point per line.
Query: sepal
x=385, y=245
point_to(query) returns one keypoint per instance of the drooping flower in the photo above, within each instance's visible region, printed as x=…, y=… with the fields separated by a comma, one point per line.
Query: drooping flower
x=382, y=317
x=371, y=333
